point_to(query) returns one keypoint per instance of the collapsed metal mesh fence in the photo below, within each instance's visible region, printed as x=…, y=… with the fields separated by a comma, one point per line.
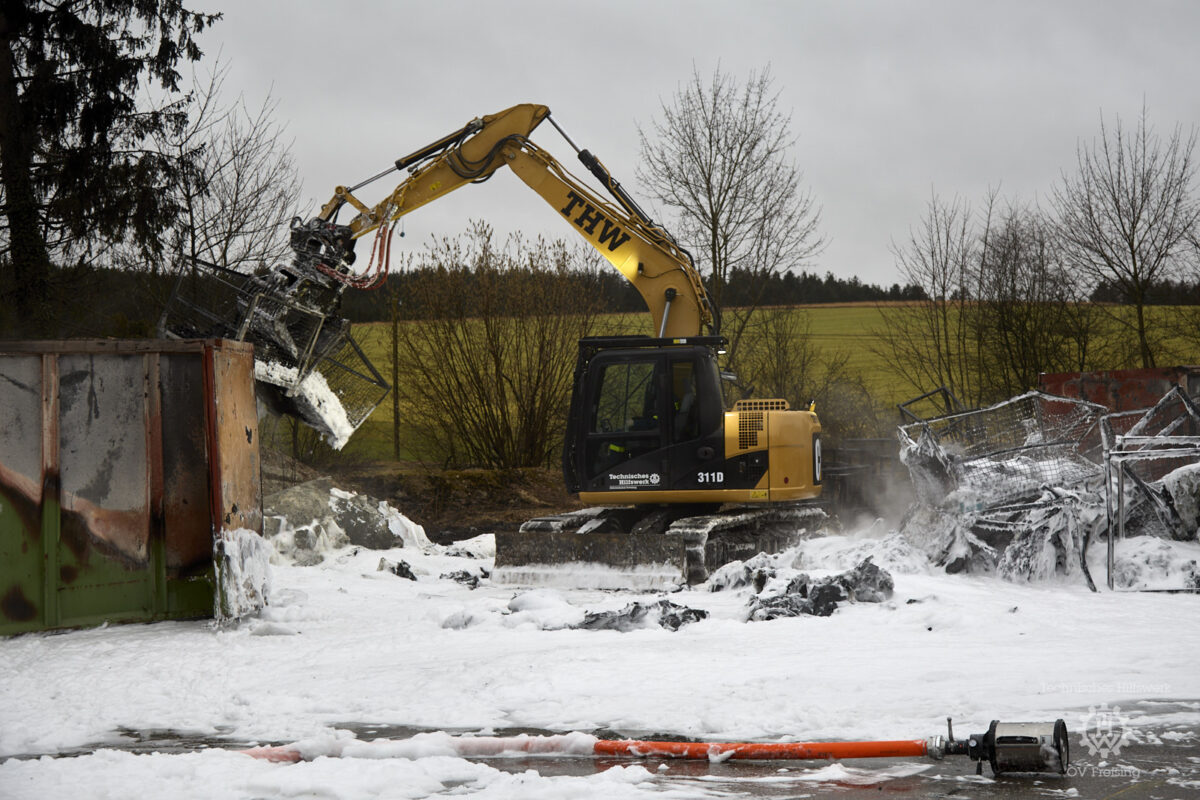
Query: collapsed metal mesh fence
x=291, y=339
x=1009, y=451
x=1142, y=450
x=1029, y=482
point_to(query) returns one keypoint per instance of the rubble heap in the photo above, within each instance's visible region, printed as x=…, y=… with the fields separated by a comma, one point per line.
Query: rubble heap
x=866, y=583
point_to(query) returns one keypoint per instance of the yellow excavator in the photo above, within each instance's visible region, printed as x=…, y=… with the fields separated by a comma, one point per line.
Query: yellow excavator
x=675, y=484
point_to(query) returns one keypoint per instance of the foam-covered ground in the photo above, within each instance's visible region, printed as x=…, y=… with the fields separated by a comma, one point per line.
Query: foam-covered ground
x=344, y=647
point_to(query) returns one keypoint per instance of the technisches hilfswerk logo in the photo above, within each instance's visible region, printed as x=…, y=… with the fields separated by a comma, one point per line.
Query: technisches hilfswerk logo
x=1105, y=730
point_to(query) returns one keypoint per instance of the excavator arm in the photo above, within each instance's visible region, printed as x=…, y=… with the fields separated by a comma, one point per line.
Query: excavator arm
x=469, y=155
x=642, y=251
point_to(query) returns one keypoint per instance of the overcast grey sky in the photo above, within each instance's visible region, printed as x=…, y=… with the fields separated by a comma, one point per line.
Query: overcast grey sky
x=890, y=101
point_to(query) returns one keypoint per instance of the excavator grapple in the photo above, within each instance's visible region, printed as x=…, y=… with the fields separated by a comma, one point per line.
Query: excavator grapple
x=306, y=363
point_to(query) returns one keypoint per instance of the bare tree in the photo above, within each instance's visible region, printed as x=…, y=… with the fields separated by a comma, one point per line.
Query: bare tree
x=1126, y=214
x=489, y=365
x=718, y=157
x=241, y=189
x=930, y=340
x=1029, y=315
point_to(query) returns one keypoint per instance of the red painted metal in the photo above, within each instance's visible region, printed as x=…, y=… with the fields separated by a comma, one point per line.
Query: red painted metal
x=1122, y=389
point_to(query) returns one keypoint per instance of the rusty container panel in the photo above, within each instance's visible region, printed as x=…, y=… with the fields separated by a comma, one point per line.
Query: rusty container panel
x=187, y=516
x=22, y=577
x=1122, y=389
x=103, y=553
x=238, y=503
x=119, y=462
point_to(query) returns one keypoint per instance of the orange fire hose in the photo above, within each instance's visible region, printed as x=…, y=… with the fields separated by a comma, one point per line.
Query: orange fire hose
x=1016, y=747
x=630, y=748
x=753, y=750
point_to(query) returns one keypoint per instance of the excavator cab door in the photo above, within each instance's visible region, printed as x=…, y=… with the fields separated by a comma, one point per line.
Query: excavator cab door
x=625, y=423
x=639, y=415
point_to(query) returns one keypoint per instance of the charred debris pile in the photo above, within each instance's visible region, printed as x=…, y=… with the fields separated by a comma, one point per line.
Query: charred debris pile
x=1022, y=488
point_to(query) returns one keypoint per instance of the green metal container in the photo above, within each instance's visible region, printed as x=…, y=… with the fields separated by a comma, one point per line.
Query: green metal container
x=120, y=463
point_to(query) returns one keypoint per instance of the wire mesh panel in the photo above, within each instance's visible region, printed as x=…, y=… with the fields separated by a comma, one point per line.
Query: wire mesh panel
x=306, y=363
x=1008, y=451
x=211, y=302
x=1151, y=468
x=206, y=303
x=354, y=380
x=1154, y=441
x=1029, y=419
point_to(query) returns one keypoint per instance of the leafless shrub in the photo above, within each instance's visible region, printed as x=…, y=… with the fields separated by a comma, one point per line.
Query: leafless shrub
x=488, y=369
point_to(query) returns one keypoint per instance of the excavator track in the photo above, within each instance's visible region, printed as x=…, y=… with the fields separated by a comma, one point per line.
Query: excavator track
x=646, y=548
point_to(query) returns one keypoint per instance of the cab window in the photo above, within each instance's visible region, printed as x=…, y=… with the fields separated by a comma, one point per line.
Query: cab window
x=627, y=398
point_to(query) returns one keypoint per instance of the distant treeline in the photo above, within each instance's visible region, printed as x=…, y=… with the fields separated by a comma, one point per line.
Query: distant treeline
x=1159, y=293
x=616, y=294
x=127, y=303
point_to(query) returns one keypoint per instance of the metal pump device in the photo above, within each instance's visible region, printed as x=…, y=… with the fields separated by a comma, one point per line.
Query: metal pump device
x=1009, y=746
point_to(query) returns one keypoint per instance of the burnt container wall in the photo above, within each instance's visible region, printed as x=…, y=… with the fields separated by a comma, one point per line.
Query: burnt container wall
x=1122, y=389
x=235, y=468
x=22, y=579
x=109, y=498
x=104, y=569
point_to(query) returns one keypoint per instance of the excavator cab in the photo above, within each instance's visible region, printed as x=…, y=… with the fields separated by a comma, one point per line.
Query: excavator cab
x=675, y=485
x=647, y=426
x=644, y=417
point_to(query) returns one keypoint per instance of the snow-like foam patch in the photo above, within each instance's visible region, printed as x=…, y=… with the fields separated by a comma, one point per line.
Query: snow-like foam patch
x=856, y=776
x=1147, y=562
x=412, y=534
x=1183, y=485
x=584, y=575
x=314, y=396
x=221, y=773
x=892, y=551
x=543, y=608
x=340, y=744
x=241, y=560
x=481, y=546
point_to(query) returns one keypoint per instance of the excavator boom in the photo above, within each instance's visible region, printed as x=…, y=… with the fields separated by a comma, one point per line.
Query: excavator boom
x=645, y=253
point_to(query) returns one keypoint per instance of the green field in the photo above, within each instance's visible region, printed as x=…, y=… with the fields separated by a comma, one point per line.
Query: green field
x=848, y=329
x=844, y=329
